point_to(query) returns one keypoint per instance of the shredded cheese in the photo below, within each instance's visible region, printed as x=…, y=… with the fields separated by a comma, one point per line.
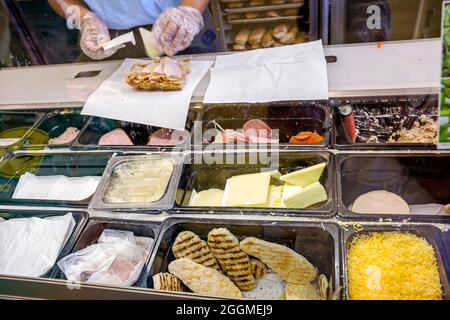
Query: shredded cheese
x=392, y=266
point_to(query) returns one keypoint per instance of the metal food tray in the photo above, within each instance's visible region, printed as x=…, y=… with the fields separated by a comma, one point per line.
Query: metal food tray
x=340, y=143
x=45, y=164
x=165, y=203
x=288, y=118
x=260, y=20
x=265, y=8
x=205, y=176
x=96, y=127
x=316, y=241
x=80, y=217
x=436, y=237
x=94, y=229
x=419, y=178
x=52, y=126
x=25, y=122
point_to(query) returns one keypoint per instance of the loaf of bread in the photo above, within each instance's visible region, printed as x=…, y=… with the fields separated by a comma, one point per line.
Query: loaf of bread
x=167, y=282
x=267, y=40
x=286, y=263
x=256, y=35
x=280, y=31
x=242, y=36
x=277, y=44
x=189, y=245
x=255, y=46
x=202, y=280
x=234, y=262
x=289, y=38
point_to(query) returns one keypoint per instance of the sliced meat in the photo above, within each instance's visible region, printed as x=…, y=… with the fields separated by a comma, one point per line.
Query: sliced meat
x=257, y=128
x=168, y=137
x=229, y=135
x=117, y=137
x=68, y=136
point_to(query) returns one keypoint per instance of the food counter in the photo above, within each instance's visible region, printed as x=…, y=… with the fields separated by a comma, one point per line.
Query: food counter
x=327, y=204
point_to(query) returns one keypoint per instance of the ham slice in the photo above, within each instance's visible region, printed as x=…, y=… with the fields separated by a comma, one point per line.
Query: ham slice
x=257, y=128
x=117, y=137
x=167, y=137
x=229, y=135
x=68, y=136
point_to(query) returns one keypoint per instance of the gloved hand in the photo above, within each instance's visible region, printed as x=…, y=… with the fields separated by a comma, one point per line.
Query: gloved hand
x=176, y=27
x=94, y=33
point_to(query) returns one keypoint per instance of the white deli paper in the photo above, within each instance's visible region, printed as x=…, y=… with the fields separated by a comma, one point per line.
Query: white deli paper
x=295, y=72
x=117, y=100
x=59, y=187
x=30, y=246
x=117, y=259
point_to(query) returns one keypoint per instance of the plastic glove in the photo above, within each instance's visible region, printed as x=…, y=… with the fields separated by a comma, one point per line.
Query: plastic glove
x=176, y=27
x=94, y=33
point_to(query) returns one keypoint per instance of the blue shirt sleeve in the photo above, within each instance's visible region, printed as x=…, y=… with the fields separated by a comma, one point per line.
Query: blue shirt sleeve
x=126, y=14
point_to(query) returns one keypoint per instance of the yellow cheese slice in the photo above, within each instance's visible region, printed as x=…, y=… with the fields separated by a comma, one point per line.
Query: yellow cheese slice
x=312, y=194
x=289, y=190
x=248, y=190
x=305, y=177
x=208, y=198
x=274, y=198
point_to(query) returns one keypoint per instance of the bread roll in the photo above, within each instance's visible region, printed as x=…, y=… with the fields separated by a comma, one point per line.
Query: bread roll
x=256, y=3
x=289, y=38
x=242, y=37
x=232, y=17
x=280, y=31
x=267, y=40
x=301, y=38
x=291, y=12
x=272, y=14
x=256, y=35
x=235, y=5
x=252, y=15
x=277, y=44
x=239, y=47
x=255, y=46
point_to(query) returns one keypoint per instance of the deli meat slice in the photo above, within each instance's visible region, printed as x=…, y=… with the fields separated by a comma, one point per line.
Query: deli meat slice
x=68, y=136
x=167, y=137
x=229, y=135
x=257, y=128
x=117, y=137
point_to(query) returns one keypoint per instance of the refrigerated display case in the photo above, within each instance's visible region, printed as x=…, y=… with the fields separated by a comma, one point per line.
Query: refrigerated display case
x=321, y=234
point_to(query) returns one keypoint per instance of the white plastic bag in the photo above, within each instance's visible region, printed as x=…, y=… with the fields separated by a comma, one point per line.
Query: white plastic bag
x=117, y=259
x=30, y=246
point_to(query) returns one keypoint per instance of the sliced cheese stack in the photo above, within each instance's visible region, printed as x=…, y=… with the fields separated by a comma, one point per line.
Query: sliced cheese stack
x=300, y=189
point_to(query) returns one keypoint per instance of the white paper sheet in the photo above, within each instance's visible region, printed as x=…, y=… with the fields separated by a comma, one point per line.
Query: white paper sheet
x=30, y=246
x=4, y=142
x=59, y=187
x=297, y=72
x=117, y=100
x=120, y=41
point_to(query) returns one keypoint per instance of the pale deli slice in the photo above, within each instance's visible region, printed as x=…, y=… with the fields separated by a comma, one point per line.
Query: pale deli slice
x=305, y=177
x=312, y=194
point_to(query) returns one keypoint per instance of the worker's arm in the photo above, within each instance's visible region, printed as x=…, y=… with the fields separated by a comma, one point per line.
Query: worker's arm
x=197, y=4
x=60, y=7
